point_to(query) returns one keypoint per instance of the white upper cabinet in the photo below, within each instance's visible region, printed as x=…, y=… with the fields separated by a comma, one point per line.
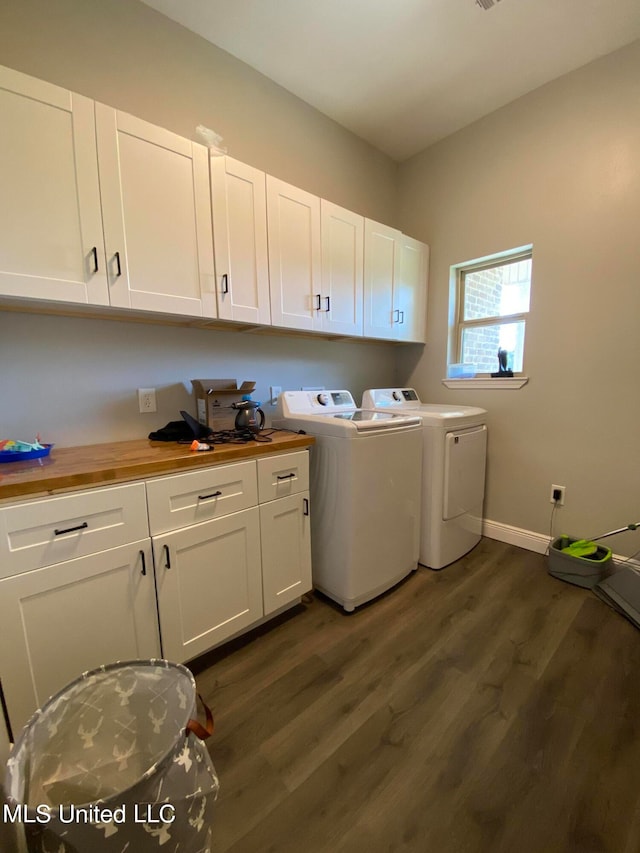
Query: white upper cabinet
x=395, y=284
x=102, y=208
x=341, y=300
x=293, y=221
x=410, y=295
x=382, y=258
x=157, y=217
x=51, y=245
x=238, y=195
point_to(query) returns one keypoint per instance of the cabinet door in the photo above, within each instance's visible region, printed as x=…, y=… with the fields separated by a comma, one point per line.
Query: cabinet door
x=51, y=244
x=157, y=217
x=62, y=620
x=382, y=258
x=239, y=201
x=410, y=295
x=293, y=222
x=342, y=270
x=286, y=550
x=208, y=580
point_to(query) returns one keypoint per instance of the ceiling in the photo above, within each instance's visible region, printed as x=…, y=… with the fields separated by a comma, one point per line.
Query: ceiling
x=403, y=74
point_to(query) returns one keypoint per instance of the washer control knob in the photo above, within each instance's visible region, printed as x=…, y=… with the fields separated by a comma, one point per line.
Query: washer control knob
x=397, y=395
x=323, y=399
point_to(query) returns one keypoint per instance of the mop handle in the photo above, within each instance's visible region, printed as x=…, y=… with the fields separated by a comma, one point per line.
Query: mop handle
x=631, y=526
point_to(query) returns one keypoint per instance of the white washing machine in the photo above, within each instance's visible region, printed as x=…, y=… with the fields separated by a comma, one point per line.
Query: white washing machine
x=453, y=472
x=365, y=492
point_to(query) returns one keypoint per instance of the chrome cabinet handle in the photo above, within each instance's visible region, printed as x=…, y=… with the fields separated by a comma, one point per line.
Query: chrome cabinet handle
x=71, y=529
x=206, y=497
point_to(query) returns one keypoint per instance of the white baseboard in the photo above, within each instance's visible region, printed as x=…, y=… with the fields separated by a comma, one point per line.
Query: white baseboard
x=532, y=541
x=527, y=539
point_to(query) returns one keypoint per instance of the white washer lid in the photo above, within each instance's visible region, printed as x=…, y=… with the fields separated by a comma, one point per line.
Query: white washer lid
x=437, y=414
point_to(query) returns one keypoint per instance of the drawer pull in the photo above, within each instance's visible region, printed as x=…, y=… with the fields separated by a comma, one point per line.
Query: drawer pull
x=207, y=497
x=82, y=526
x=167, y=562
x=305, y=506
x=144, y=563
x=285, y=476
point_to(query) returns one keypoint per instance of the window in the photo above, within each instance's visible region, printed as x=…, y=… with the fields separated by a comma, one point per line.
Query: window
x=492, y=306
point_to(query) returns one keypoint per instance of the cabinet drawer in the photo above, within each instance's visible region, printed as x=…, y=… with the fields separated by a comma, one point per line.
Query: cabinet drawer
x=183, y=499
x=52, y=530
x=279, y=476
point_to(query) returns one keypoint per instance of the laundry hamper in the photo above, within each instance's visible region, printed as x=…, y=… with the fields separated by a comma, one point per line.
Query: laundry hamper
x=112, y=763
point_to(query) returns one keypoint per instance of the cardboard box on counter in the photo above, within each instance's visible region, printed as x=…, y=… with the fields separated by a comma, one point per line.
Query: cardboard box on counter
x=214, y=398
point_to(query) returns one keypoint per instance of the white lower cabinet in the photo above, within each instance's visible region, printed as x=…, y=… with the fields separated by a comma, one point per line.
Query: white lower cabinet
x=209, y=583
x=61, y=620
x=171, y=567
x=251, y=557
x=286, y=550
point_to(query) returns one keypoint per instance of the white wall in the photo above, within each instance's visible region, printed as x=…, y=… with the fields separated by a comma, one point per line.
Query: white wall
x=74, y=380
x=559, y=168
x=131, y=57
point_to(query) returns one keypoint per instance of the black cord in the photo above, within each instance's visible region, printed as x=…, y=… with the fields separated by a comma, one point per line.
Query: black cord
x=553, y=512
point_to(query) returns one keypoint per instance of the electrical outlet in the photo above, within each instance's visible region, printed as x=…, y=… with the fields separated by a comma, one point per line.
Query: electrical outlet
x=557, y=495
x=274, y=393
x=147, y=400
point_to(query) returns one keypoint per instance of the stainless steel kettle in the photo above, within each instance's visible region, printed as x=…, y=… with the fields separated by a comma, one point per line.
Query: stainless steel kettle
x=249, y=415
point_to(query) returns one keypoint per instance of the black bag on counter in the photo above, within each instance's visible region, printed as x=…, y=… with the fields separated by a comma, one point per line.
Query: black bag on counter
x=173, y=431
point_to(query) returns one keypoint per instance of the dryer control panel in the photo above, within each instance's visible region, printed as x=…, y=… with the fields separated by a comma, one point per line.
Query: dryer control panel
x=378, y=397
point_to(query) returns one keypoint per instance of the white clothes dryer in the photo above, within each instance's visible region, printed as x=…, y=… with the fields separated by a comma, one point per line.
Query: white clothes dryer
x=365, y=490
x=453, y=472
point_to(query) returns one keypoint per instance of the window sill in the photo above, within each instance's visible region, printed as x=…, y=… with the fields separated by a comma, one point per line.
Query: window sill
x=483, y=384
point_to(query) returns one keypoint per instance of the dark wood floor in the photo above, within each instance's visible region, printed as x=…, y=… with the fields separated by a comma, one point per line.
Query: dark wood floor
x=487, y=707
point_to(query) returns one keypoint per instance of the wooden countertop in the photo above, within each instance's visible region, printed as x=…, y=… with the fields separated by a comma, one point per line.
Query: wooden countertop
x=68, y=468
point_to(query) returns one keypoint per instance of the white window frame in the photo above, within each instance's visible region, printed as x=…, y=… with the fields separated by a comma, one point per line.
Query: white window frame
x=458, y=324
